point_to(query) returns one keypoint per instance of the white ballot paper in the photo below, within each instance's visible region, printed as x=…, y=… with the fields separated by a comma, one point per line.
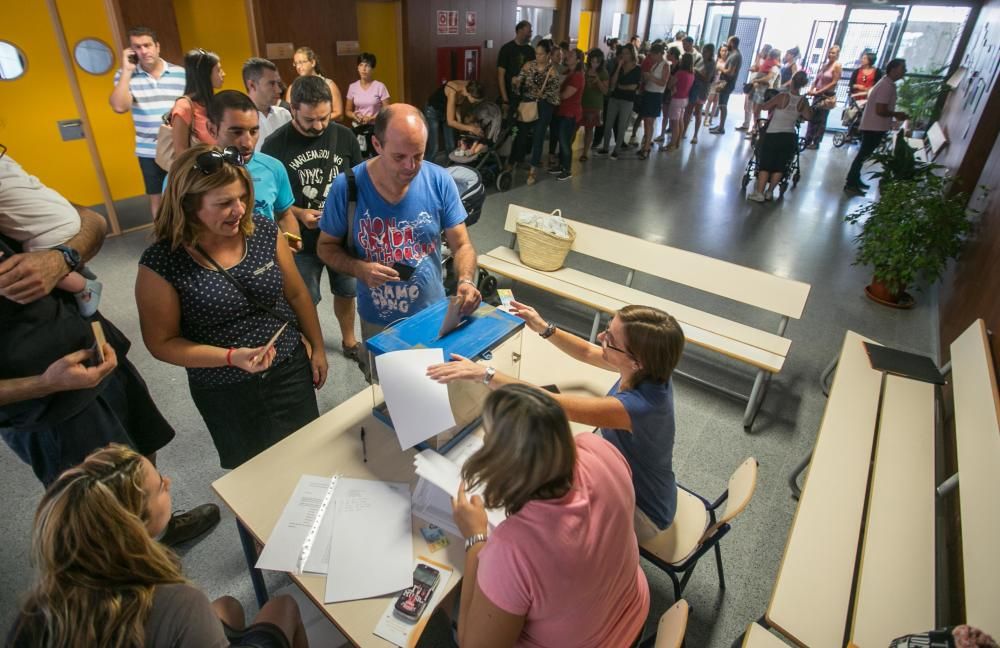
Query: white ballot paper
x=405, y=633
x=302, y=526
x=371, y=545
x=445, y=473
x=419, y=406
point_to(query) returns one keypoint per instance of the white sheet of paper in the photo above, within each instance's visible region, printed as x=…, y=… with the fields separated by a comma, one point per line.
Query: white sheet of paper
x=371, y=547
x=403, y=633
x=443, y=473
x=433, y=505
x=419, y=406
x=284, y=545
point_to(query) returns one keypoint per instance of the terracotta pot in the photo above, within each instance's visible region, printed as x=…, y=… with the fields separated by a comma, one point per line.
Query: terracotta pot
x=881, y=293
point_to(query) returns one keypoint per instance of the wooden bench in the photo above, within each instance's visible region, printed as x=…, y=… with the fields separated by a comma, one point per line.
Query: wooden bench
x=765, y=351
x=859, y=567
x=928, y=148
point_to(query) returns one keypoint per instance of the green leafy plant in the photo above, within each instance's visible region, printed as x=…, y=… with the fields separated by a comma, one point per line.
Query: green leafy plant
x=900, y=162
x=912, y=230
x=918, y=96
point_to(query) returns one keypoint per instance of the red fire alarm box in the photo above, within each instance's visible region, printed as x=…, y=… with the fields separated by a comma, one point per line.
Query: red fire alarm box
x=458, y=63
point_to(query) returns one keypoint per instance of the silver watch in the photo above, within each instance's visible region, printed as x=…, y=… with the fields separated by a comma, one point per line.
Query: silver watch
x=488, y=376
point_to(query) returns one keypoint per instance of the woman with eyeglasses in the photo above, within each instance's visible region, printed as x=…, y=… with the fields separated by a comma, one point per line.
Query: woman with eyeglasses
x=219, y=294
x=307, y=64
x=189, y=116
x=124, y=588
x=643, y=345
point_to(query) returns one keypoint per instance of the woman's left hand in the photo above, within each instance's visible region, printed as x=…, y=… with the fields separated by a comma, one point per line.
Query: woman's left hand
x=469, y=513
x=319, y=366
x=460, y=368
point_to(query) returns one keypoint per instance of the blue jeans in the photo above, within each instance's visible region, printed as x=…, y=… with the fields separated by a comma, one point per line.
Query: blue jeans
x=545, y=112
x=567, y=127
x=437, y=120
x=311, y=268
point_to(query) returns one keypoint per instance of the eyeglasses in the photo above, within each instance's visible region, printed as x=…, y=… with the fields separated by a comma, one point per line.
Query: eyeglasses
x=609, y=345
x=211, y=161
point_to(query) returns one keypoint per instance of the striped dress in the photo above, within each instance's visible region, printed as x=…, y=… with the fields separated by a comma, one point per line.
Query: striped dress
x=151, y=99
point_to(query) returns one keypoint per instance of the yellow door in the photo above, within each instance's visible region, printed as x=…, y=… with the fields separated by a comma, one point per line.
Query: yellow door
x=32, y=105
x=583, y=39
x=378, y=33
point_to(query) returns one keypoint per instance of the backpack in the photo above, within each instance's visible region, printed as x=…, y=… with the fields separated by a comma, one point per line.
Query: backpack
x=165, y=137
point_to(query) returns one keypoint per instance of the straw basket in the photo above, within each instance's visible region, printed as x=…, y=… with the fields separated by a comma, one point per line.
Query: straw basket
x=543, y=251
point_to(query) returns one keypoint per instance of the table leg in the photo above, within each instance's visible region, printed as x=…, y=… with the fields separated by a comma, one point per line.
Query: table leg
x=250, y=553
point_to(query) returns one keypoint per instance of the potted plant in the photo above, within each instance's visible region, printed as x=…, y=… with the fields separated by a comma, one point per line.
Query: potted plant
x=919, y=96
x=900, y=162
x=910, y=232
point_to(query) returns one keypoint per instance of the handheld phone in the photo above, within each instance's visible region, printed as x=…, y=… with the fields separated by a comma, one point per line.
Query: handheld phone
x=292, y=238
x=99, y=342
x=405, y=271
x=412, y=601
x=133, y=58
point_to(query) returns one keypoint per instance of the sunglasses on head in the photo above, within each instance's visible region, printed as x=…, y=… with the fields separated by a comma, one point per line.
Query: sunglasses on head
x=211, y=161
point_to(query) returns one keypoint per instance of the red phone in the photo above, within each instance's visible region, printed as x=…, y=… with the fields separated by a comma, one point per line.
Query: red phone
x=411, y=603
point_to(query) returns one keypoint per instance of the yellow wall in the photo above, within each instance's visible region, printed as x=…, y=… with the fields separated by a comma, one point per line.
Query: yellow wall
x=31, y=105
x=113, y=133
x=378, y=33
x=583, y=38
x=221, y=27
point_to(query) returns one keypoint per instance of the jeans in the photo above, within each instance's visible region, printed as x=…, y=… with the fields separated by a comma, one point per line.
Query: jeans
x=619, y=110
x=869, y=142
x=566, y=127
x=437, y=120
x=311, y=268
x=248, y=417
x=545, y=112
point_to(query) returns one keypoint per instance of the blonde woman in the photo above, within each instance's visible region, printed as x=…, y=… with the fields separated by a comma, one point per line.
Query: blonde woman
x=643, y=345
x=307, y=64
x=219, y=294
x=124, y=589
x=563, y=569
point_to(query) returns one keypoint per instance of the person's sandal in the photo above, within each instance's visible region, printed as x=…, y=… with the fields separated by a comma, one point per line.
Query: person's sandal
x=643, y=154
x=351, y=352
x=532, y=179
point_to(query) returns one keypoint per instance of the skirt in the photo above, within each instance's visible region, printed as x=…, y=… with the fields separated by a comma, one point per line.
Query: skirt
x=649, y=104
x=777, y=151
x=591, y=117
x=677, y=107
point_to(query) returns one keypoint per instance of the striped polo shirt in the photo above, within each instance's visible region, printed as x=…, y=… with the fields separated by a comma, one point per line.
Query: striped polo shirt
x=151, y=99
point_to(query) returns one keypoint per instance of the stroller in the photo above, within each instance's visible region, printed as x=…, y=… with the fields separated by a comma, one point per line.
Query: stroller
x=497, y=132
x=472, y=192
x=792, y=170
x=851, y=119
x=363, y=133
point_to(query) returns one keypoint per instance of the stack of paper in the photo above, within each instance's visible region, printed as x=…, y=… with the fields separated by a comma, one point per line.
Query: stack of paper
x=445, y=473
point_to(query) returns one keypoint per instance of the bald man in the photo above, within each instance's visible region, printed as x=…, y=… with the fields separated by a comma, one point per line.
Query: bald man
x=403, y=205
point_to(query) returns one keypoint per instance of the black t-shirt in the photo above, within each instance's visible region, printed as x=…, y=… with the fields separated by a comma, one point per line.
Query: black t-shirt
x=312, y=163
x=632, y=77
x=512, y=58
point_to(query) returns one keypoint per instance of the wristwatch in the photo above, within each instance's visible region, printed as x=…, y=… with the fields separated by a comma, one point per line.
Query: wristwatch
x=548, y=332
x=471, y=541
x=488, y=376
x=70, y=256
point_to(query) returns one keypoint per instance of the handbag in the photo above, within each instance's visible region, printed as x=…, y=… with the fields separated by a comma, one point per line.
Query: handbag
x=527, y=111
x=165, y=137
x=827, y=102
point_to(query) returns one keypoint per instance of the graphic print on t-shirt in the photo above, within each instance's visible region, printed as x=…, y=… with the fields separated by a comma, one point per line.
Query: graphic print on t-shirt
x=387, y=241
x=314, y=181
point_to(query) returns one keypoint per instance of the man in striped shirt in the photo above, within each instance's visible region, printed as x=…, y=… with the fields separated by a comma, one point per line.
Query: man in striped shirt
x=148, y=86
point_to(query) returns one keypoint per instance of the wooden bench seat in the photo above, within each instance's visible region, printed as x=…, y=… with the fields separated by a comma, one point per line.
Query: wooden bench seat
x=765, y=351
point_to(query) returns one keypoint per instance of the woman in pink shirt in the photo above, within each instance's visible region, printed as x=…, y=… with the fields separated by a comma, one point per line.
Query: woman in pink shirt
x=683, y=79
x=563, y=568
x=365, y=98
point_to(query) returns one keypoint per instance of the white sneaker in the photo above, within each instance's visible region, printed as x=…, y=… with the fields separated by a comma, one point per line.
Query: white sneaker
x=756, y=197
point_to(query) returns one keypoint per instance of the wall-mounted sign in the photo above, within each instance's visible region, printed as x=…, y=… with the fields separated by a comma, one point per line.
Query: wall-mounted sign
x=348, y=48
x=279, y=50
x=470, y=22
x=447, y=22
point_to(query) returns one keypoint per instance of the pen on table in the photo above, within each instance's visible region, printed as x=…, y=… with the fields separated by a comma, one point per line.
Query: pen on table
x=364, y=446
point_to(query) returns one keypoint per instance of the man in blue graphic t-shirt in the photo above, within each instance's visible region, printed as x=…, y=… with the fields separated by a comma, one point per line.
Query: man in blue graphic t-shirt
x=403, y=204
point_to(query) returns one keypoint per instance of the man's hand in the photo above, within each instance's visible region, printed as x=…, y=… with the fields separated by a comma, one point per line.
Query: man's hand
x=309, y=217
x=375, y=274
x=28, y=277
x=68, y=373
x=470, y=297
x=127, y=64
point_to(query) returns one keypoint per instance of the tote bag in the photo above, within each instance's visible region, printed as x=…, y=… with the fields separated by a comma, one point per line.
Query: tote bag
x=165, y=138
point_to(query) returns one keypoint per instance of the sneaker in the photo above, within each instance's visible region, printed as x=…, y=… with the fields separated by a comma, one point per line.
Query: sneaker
x=564, y=175
x=601, y=151
x=756, y=197
x=659, y=139
x=717, y=131
x=614, y=154
x=351, y=352
x=188, y=525
x=554, y=170
x=854, y=189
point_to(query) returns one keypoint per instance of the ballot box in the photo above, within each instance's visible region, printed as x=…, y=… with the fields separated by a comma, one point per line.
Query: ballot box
x=489, y=335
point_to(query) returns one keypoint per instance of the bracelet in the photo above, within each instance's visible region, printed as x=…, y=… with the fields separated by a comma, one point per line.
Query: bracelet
x=468, y=281
x=229, y=357
x=548, y=332
x=472, y=541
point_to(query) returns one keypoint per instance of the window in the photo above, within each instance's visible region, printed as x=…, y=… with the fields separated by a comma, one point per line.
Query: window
x=928, y=43
x=93, y=56
x=12, y=62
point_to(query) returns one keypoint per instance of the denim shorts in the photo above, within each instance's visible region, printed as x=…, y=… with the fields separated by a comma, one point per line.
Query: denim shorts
x=152, y=175
x=311, y=268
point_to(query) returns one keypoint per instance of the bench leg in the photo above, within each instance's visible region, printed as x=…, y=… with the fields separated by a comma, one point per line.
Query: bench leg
x=756, y=398
x=250, y=553
x=596, y=328
x=793, y=479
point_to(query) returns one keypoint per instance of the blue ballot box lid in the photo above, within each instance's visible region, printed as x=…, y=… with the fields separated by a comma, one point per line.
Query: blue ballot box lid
x=482, y=331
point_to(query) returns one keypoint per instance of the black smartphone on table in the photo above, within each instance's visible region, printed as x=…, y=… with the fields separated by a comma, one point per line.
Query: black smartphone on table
x=414, y=599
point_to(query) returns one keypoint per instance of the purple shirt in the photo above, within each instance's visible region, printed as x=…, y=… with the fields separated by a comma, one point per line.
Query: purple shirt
x=367, y=102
